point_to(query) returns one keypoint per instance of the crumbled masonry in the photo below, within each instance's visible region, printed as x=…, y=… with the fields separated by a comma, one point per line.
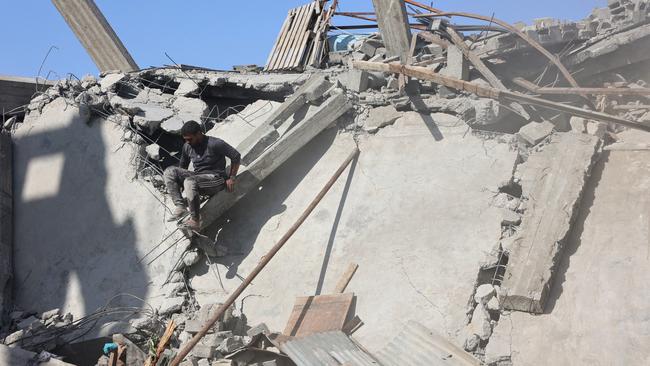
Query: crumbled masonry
x=469, y=230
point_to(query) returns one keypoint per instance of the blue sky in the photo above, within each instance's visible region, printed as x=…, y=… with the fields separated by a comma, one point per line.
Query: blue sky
x=208, y=33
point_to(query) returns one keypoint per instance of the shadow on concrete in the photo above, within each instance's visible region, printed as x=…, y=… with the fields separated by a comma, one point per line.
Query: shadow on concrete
x=419, y=105
x=574, y=239
x=70, y=238
x=335, y=226
x=239, y=227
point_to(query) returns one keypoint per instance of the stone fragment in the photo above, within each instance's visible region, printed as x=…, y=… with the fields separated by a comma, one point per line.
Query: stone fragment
x=14, y=337
x=471, y=343
x=194, y=325
x=556, y=176
x=481, y=324
x=497, y=351
x=355, y=79
x=484, y=293
x=493, y=304
x=153, y=151
x=380, y=117
x=109, y=82
x=534, y=132
x=457, y=65
x=231, y=344
x=202, y=351
x=488, y=112
x=30, y=323
x=187, y=87
x=191, y=258
x=595, y=128
x=509, y=217
x=578, y=124
x=258, y=329
x=172, y=305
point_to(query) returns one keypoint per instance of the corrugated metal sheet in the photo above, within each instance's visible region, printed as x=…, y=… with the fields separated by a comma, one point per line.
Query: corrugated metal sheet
x=326, y=349
x=416, y=345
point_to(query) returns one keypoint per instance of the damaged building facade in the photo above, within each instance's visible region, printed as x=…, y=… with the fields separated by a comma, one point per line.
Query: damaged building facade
x=427, y=193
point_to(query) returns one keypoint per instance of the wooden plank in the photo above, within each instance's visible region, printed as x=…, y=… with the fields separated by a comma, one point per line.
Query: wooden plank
x=316, y=314
x=317, y=39
x=352, y=325
x=276, y=45
x=301, y=33
x=345, y=278
x=279, y=53
x=304, y=40
x=293, y=37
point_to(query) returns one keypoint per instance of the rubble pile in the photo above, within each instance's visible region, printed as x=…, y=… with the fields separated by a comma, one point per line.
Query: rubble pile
x=488, y=84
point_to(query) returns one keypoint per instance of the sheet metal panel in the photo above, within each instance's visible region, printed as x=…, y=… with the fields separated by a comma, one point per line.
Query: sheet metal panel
x=325, y=349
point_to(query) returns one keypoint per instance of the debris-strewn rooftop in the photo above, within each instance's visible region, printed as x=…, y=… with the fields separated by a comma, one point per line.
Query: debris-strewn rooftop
x=429, y=192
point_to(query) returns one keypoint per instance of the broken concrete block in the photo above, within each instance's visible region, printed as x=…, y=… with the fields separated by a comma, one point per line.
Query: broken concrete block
x=380, y=117
x=16, y=315
x=187, y=87
x=471, y=342
x=457, y=65
x=484, y=293
x=493, y=304
x=109, y=82
x=534, y=132
x=258, y=329
x=202, y=351
x=153, y=151
x=487, y=112
x=555, y=177
x=14, y=337
x=498, y=350
x=172, y=305
x=355, y=79
x=318, y=119
x=191, y=258
x=230, y=345
x=595, y=128
x=578, y=124
x=194, y=325
x=30, y=323
x=509, y=217
x=481, y=324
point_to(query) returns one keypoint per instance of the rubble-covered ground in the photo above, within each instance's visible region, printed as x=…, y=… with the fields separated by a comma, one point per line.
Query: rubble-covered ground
x=437, y=210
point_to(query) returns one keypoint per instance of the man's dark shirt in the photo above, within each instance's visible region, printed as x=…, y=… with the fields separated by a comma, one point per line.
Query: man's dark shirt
x=209, y=156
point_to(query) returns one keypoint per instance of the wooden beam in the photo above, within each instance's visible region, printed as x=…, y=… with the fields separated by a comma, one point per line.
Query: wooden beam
x=345, y=278
x=489, y=92
x=476, y=61
x=394, y=27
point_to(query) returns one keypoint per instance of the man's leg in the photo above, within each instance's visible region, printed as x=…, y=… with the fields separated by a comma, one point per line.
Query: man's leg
x=174, y=177
x=201, y=184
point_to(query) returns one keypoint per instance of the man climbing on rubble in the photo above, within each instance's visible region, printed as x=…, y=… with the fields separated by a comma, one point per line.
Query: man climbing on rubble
x=207, y=155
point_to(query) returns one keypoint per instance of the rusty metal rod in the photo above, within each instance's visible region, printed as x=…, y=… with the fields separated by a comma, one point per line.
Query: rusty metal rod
x=265, y=260
x=551, y=57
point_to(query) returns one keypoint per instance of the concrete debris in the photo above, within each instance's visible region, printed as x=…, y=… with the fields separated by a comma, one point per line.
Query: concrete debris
x=534, y=132
x=380, y=117
x=103, y=143
x=555, y=177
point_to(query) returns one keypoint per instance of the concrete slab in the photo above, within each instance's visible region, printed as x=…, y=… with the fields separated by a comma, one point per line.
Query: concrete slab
x=412, y=171
x=597, y=312
x=552, y=181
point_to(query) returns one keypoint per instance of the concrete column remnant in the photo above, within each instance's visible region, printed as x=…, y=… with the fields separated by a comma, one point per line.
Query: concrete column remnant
x=394, y=27
x=6, y=224
x=96, y=35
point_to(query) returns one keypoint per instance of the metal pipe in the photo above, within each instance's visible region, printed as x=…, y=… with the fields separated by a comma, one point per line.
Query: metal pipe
x=265, y=260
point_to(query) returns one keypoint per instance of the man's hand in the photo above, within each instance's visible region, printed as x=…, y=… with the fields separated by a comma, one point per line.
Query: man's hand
x=230, y=184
